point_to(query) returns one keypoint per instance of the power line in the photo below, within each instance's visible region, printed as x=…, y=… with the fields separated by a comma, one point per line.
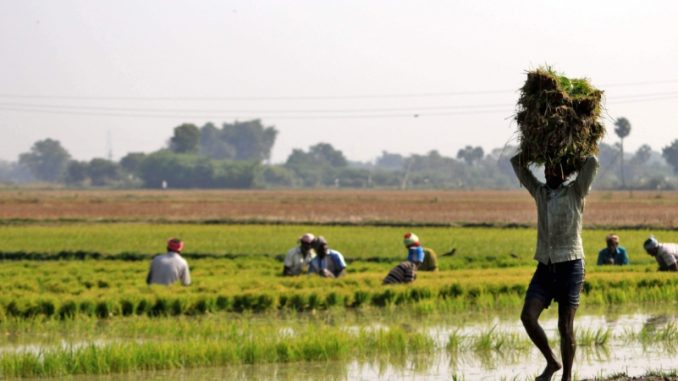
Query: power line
x=105, y=110
x=258, y=98
x=307, y=97
x=338, y=113
x=644, y=83
x=281, y=111
x=185, y=116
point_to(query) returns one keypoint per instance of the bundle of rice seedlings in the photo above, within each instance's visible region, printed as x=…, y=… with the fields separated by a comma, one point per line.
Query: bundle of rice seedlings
x=558, y=119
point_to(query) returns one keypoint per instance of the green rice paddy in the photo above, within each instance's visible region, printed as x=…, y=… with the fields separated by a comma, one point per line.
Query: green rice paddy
x=74, y=296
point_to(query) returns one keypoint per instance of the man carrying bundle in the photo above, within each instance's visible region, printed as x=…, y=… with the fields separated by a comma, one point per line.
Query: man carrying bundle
x=559, y=128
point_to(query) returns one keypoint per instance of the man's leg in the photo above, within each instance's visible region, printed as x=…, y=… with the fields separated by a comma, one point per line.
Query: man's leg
x=568, y=342
x=532, y=308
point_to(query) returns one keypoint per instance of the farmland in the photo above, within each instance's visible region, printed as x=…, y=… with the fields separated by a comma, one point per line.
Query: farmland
x=391, y=207
x=74, y=298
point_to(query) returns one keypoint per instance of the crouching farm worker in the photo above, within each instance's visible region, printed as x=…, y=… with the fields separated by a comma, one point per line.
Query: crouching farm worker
x=430, y=262
x=613, y=254
x=666, y=254
x=170, y=267
x=327, y=263
x=406, y=272
x=560, y=270
x=299, y=257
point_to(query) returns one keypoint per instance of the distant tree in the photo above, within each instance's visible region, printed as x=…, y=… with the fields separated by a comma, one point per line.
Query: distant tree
x=390, y=161
x=185, y=140
x=47, y=160
x=277, y=176
x=622, y=129
x=470, y=154
x=178, y=170
x=324, y=152
x=642, y=155
x=103, y=172
x=194, y=171
x=132, y=162
x=320, y=166
x=13, y=172
x=252, y=141
x=319, y=155
x=296, y=158
x=214, y=143
x=237, y=141
x=501, y=157
x=670, y=154
x=77, y=173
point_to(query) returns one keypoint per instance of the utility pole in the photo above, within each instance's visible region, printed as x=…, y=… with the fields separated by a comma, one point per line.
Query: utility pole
x=109, y=146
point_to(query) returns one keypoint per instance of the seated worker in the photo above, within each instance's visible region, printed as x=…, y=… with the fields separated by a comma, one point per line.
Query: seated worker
x=406, y=272
x=170, y=267
x=430, y=260
x=666, y=254
x=613, y=254
x=299, y=257
x=328, y=263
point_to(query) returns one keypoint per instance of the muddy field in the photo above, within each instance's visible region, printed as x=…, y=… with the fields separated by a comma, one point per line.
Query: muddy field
x=616, y=209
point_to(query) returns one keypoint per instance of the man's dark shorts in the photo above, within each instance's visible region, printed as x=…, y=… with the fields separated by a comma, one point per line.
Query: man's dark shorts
x=560, y=281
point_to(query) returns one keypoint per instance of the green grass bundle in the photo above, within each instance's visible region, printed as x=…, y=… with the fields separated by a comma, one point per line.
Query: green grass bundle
x=558, y=118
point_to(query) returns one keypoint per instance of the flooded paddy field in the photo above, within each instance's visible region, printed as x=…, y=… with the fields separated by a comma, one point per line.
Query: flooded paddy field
x=490, y=345
x=74, y=303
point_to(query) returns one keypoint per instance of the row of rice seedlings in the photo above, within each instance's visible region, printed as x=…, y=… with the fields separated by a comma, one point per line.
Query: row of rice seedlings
x=453, y=296
x=593, y=337
x=108, y=280
x=259, y=346
x=500, y=248
x=488, y=341
x=651, y=334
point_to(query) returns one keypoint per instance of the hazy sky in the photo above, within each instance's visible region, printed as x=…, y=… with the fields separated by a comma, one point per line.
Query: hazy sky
x=352, y=73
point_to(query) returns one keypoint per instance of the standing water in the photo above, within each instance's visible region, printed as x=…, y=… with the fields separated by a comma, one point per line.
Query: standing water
x=498, y=349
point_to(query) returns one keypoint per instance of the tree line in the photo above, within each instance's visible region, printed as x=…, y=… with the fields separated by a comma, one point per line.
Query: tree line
x=236, y=155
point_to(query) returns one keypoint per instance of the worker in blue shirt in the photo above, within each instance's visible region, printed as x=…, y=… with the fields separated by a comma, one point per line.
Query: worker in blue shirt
x=613, y=254
x=327, y=263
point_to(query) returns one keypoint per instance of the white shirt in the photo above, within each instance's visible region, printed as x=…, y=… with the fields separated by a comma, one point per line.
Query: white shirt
x=168, y=268
x=667, y=254
x=296, y=261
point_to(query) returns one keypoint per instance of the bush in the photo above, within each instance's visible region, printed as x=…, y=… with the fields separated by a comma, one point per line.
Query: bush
x=87, y=308
x=103, y=310
x=223, y=303
x=144, y=307
x=68, y=310
x=297, y=302
x=46, y=307
x=385, y=298
x=360, y=297
x=160, y=308
x=127, y=307
x=264, y=302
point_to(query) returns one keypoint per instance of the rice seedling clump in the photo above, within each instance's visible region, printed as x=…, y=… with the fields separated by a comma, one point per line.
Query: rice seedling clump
x=558, y=119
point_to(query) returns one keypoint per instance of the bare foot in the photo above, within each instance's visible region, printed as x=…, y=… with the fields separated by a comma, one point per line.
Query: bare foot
x=548, y=371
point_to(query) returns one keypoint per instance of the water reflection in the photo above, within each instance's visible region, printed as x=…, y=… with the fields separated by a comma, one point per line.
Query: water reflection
x=639, y=342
